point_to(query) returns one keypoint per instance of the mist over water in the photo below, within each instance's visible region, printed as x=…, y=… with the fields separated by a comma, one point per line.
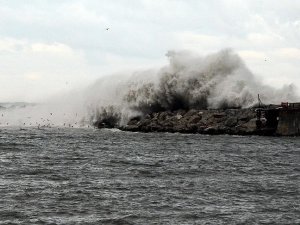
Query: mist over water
x=219, y=80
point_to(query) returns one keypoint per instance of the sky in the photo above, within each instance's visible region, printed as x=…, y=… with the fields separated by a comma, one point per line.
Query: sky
x=52, y=46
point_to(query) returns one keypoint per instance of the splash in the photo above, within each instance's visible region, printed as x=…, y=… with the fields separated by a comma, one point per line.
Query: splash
x=189, y=81
x=217, y=81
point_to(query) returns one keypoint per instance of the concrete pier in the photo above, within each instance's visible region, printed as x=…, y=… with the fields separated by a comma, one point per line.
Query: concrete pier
x=282, y=120
x=289, y=122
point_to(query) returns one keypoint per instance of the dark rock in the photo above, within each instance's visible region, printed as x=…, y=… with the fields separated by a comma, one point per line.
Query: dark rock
x=247, y=128
x=164, y=115
x=195, y=119
x=191, y=113
x=132, y=122
x=229, y=121
x=219, y=115
x=133, y=128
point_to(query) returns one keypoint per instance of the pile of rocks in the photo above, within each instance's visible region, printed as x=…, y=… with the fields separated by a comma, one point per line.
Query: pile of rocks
x=229, y=121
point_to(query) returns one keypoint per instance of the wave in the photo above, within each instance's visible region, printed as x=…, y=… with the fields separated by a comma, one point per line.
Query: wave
x=189, y=81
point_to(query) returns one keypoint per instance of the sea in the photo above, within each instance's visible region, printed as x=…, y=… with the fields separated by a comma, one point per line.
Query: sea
x=89, y=176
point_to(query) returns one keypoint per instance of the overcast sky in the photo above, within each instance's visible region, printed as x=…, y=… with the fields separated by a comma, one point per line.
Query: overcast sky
x=49, y=46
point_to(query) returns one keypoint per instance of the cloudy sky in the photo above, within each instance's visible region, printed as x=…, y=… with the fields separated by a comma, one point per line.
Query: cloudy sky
x=50, y=46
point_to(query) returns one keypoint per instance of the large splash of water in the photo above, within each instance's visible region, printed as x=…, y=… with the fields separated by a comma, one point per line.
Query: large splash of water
x=219, y=80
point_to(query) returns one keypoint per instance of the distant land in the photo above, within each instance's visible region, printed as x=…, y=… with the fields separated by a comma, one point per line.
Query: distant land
x=13, y=105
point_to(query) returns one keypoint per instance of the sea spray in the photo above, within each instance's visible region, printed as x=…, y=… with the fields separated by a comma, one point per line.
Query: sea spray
x=189, y=81
x=215, y=81
x=219, y=80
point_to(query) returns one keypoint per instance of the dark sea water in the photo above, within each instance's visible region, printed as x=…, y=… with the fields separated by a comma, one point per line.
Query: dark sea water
x=87, y=176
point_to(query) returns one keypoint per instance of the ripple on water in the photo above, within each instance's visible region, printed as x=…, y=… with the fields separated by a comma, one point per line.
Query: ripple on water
x=86, y=176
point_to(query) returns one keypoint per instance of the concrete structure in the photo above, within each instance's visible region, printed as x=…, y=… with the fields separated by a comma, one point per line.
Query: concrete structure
x=283, y=120
x=289, y=122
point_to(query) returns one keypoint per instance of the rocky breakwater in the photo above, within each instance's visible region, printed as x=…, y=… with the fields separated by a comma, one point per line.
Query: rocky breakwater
x=227, y=121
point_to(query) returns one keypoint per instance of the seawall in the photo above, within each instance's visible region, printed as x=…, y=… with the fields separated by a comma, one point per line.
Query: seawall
x=229, y=121
x=289, y=122
x=272, y=120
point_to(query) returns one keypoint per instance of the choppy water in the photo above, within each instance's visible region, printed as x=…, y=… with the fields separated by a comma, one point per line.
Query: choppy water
x=86, y=176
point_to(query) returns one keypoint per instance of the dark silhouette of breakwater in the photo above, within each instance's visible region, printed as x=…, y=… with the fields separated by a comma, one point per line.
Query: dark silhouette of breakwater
x=282, y=120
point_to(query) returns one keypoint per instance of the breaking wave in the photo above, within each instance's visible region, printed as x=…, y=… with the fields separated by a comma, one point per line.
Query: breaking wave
x=219, y=80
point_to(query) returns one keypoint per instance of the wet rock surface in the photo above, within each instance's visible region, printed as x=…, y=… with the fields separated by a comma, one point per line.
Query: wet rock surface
x=229, y=121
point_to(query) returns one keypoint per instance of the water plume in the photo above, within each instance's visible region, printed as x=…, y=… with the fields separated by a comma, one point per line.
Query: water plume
x=189, y=81
x=220, y=80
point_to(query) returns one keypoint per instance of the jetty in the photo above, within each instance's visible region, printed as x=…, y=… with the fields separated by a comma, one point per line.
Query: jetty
x=283, y=119
x=270, y=120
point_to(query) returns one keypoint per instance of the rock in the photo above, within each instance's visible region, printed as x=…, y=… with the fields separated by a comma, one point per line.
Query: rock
x=195, y=119
x=219, y=115
x=133, y=128
x=164, y=115
x=178, y=116
x=191, y=113
x=133, y=122
x=247, y=128
x=231, y=122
